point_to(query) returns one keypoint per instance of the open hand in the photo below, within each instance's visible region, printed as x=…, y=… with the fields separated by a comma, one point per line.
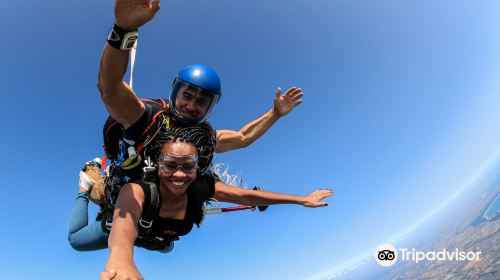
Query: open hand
x=132, y=14
x=285, y=103
x=314, y=199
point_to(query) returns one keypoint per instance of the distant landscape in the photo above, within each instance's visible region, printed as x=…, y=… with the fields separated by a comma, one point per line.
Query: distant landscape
x=470, y=223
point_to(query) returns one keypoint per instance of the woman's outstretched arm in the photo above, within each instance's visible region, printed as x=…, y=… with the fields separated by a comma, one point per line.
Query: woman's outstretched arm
x=128, y=211
x=227, y=193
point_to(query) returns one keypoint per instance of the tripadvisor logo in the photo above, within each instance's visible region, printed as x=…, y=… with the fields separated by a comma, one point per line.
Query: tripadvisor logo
x=387, y=255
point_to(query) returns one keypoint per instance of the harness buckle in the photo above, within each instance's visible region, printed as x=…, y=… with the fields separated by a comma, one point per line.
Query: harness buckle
x=108, y=225
x=145, y=224
x=149, y=170
x=149, y=174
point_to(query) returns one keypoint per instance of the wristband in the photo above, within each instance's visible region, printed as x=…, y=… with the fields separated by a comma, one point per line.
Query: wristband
x=120, y=39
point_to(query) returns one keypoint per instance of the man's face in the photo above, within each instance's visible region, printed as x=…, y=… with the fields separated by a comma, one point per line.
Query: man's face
x=192, y=104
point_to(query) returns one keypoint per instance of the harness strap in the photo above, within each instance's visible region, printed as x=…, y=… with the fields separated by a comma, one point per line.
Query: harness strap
x=149, y=214
x=114, y=181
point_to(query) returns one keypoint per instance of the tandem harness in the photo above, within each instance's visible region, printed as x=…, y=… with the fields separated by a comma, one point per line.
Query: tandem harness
x=128, y=162
x=127, y=150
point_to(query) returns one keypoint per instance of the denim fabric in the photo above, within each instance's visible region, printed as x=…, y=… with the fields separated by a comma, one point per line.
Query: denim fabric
x=81, y=235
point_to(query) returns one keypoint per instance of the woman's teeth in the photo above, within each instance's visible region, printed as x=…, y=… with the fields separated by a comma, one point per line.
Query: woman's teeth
x=178, y=183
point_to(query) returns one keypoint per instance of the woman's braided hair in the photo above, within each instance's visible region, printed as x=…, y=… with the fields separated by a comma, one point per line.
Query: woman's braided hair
x=202, y=137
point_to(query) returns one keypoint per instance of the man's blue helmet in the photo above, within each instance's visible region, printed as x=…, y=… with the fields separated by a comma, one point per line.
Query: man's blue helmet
x=198, y=84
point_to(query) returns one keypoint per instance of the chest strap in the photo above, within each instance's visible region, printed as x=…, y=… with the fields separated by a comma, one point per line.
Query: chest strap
x=146, y=221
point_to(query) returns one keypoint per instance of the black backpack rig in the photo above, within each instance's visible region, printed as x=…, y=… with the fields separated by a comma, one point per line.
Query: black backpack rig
x=128, y=164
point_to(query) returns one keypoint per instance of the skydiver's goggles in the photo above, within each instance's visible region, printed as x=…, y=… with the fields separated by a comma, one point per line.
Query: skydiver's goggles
x=169, y=163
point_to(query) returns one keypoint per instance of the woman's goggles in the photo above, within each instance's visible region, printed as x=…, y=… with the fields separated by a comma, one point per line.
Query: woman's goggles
x=169, y=163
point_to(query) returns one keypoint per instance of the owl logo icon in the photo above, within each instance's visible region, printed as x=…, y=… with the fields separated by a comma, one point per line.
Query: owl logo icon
x=386, y=255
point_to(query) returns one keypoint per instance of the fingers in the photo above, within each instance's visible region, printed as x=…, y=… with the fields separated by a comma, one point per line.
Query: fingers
x=316, y=204
x=112, y=274
x=293, y=95
x=291, y=92
x=297, y=103
x=147, y=2
x=155, y=6
x=296, y=97
x=323, y=191
x=278, y=93
x=108, y=275
x=327, y=192
x=322, y=194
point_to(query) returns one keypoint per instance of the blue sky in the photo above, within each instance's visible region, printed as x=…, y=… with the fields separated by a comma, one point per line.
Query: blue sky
x=400, y=108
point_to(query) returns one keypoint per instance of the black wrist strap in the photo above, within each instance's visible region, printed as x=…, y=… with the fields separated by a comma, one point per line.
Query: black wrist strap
x=121, y=39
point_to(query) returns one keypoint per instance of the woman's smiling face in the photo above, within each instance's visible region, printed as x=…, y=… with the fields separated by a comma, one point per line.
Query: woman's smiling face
x=177, y=166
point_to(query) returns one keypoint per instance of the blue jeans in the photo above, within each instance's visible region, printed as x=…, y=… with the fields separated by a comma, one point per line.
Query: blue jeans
x=81, y=235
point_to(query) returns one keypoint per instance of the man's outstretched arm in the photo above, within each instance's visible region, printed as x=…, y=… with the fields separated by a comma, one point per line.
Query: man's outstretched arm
x=230, y=140
x=120, y=100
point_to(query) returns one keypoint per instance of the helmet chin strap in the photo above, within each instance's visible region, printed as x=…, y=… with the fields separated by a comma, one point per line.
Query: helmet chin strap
x=182, y=120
